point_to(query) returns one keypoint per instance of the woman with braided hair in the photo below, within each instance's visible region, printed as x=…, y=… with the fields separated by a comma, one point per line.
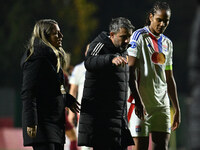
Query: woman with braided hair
x=150, y=62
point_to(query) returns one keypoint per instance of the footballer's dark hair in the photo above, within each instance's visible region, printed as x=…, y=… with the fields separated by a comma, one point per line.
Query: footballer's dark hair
x=157, y=6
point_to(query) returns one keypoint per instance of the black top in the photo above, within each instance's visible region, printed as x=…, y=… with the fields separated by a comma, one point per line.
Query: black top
x=43, y=103
x=103, y=117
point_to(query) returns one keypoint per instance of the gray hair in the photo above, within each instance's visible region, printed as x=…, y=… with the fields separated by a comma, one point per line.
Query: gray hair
x=120, y=22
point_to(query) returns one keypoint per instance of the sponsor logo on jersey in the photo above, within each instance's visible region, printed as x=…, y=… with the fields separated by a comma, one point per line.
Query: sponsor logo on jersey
x=158, y=58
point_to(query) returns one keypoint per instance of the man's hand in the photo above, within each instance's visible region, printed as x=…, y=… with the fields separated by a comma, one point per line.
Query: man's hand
x=119, y=61
x=32, y=131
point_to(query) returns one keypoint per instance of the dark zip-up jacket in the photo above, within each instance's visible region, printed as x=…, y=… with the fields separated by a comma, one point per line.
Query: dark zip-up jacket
x=42, y=102
x=103, y=110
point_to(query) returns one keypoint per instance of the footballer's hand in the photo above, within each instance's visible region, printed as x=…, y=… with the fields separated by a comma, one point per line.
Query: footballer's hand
x=140, y=110
x=176, y=120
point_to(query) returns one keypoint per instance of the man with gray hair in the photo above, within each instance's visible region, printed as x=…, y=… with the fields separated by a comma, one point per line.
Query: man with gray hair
x=103, y=116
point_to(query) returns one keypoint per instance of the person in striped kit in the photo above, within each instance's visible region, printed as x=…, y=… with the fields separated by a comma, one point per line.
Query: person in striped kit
x=152, y=82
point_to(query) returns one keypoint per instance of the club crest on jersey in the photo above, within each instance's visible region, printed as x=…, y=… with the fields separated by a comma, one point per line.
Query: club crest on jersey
x=165, y=47
x=133, y=44
x=138, y=129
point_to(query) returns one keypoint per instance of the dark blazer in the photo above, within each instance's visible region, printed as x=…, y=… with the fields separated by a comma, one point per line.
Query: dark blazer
x=103, y=116
x=43, y=103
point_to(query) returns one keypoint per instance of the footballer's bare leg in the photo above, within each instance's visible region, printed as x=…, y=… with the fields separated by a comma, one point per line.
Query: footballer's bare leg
x=160, y=140
x=141, y=143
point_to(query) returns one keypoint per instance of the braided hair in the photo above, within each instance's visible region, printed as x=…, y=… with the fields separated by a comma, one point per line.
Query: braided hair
x=157, y=6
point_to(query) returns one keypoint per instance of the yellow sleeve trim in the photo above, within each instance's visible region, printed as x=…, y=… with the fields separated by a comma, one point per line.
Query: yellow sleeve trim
x=169, y=67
